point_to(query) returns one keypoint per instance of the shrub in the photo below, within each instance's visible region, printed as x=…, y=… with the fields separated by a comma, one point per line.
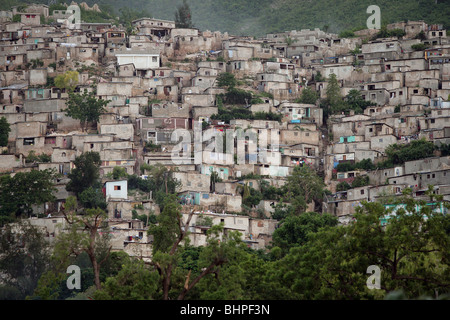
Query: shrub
x=360, y=181
x=343, y=186
x=419, y=47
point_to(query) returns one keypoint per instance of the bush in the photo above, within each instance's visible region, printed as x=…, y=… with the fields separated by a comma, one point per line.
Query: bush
x=415, y=150
x=242, y=113
x=308, y=96
x=419, y=47
x=343, y=186
x=365, y=164
x=238, y=96
x=347, y=34
x=360, y=181
x=385, y=33
x=397, y=154
x=45, y=158
x=226, y=80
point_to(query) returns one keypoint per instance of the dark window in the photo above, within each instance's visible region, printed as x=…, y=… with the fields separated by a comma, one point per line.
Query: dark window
x=28, y=142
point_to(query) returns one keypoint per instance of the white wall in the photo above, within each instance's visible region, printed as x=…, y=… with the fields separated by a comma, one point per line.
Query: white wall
x=112, y=192
x=140, y=61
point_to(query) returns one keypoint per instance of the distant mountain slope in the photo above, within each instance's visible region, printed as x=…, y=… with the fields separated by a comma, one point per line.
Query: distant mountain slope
x=258, y=17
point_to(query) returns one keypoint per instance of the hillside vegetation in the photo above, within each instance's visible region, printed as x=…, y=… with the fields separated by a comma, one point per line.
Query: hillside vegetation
x=259, y=17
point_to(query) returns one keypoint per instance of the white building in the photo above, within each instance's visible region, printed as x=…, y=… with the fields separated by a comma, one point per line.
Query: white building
x=143, y=60
x=116, y=189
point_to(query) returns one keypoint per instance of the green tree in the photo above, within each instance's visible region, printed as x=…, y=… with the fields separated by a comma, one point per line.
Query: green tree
x=214, y=178
x=416, y=149
x=52, y=285
x=134, y=281
x=92, y=198
x=85, y=107
x=171, y=241
x=303, y=187
x=343, y=186
x=166, y=232
x=268, y=191
x=73, y=242
x=67, y=81
x=242, y=277
x=360, y=181
x=5, y=129
x=308, y=96
x=35, y=63
x=346, y=34
x=412, y=251
x=219, y=250
x=20, y=192
x=318, y=77
x=118, y=173
x=356, y=102
x=161, y=183
x=419, y=46
x=226, y=80
x=24, y=257
x=334, y=100
x=85, y=174
x=183, y=18
x=294, y=230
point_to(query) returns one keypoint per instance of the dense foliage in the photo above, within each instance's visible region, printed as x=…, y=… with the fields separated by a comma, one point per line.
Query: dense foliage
x=397, y=154
x=85, y=107
x=244, y=17
x=5, y=129
x=183, y=17
x=311, y=258
x=20, y=192
x=227, y=114
x=416, y=149
x=85, y=174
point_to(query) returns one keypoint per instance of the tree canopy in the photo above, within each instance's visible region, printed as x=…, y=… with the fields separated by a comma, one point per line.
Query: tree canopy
x=67, y=80
x=5, y=129
x=183, y=17
x=86, y=172
x=308, y=96
x=20, y=192
x=25, y=255
x=303, y=187
x=85, y=107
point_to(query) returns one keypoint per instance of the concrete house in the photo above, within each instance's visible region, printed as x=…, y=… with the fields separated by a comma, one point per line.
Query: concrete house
x=198, y=99
x=30, y=18
x=299, y=113
x=203, y=113
x=12, y=61
x=116, y=189
x=122, y=131
x=380, y=142
x=375, y=129
x=142, y=59
x=107, y=90
x=169, y=110
x=156, y=129
x=300, y=154
x=154, y=27
x=192, y=180
x=243, y=68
